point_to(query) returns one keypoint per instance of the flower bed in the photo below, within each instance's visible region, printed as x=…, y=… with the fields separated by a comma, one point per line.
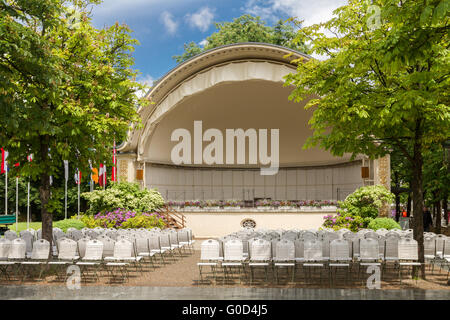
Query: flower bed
x=123, y=219
x=260, y=205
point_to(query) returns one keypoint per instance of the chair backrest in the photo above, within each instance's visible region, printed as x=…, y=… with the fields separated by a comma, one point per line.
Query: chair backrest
x=392, y=234
x=349, y=235
x=446, y=248
x=164, y=239
x=112, y=234
x=153, y=241
x=18, y=249
x=75, y=234
x=108, y=245
x=313, y=250
x=141, y=243
x=381, y=243
x=123, y=249
x=173, y=234
x=326, y=239
x=82, y=245
x=407, y=249
x=339, y=250
x=41, y=249
x=58, y=234
x=91, y=234
x=94, y=250
x=308, y=235
x=285, y=250
x=429, y=245
x=440, y=239
x=67, y=249
x=391, y=247
x=299, y=248
x=10, y=235
x=29, y=239
x=382, y=231
x=233, y=250
x=290, y=235
x=210, y=250
x=371, y=234
x=369, y=249
x=261, y=250
x=355, y=244
x=183, y=235
x=5, y=246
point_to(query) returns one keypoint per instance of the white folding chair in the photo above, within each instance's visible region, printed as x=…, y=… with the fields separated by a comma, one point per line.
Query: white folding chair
x=285, y=257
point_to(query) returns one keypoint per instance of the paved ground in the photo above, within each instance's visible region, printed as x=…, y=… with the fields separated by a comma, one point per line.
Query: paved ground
x=179, y=279
x=185, y=293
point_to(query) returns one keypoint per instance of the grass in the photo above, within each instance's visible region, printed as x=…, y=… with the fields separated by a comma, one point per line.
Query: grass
x=23, y=226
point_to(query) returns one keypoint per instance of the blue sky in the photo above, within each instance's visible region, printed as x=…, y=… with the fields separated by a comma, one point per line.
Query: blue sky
x=163, y=26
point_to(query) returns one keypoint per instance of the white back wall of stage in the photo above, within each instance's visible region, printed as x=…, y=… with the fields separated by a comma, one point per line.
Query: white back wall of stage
x=253, y=104
x=214, y=224
x=313, y=183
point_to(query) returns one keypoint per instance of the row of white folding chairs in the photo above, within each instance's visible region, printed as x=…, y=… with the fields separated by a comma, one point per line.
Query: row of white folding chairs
x=85, y=254
x=395, y=249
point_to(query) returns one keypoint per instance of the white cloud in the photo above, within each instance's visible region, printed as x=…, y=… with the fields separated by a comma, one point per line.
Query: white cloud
x=310, y=11
x=203, y=43
x=169, y=22
x=146, y=80
x=202, y=19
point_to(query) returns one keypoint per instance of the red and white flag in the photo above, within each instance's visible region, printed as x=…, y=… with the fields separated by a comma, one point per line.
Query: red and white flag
x=113, y=173
x=102, y=175
x=78, y=177
x=4, y=165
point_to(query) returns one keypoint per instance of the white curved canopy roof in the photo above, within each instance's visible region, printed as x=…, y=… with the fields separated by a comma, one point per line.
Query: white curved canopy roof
x=198, y=88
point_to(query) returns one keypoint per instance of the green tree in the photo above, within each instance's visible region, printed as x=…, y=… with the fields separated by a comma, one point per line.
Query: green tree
x=383, y=86
x=246, y=28
x=67, y=90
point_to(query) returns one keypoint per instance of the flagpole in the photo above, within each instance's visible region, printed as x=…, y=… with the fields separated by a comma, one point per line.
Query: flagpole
x=17, y=202
x=6, y=188
x=65, y=201
x=28, y=207
x=79, y=182
x=66, y=177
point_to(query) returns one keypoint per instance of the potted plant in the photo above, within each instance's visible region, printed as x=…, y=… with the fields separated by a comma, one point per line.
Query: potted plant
x=263, y=204
x=231, y=205
x=212, y=205
x=285, y=205
x=193, y=205
x=328, y=205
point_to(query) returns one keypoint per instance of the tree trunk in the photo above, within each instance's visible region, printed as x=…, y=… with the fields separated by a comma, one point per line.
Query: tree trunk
x=445, y=207
x=397, y=207
x=44, y=193
x=417, y=196
x=438, y=217
x=408, y=205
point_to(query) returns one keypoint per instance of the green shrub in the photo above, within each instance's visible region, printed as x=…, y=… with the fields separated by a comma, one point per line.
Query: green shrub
x=386, y=223
x=366, y=202
x=90, y=222
x=69, y=223
x=144, y=221
x=123, y=195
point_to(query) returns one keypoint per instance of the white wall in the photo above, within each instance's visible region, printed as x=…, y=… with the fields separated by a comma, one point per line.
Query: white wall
x=319, y=183
x=215, y=224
